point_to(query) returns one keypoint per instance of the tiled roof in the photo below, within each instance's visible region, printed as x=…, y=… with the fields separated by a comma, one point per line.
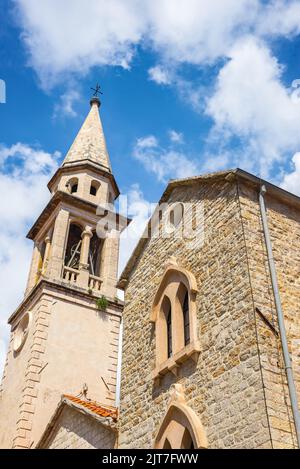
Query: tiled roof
x=98, y=409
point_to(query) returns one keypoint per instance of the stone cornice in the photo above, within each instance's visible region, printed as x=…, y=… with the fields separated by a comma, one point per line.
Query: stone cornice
x=63, y=287
x=72, y=200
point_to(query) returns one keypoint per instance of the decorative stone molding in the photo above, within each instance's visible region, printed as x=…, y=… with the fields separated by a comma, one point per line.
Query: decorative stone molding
x=184, y=275
x=32, y=376
x=180, y=422
x=174, y=280
x=173, y=363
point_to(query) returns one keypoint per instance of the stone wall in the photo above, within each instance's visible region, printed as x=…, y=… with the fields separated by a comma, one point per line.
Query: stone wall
x=74, y=430
x=225, y=387
x=284, y=227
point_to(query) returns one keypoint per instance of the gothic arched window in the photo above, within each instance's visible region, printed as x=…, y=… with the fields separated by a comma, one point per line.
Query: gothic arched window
x=96, y=245
x=186, y=319
x=169, y=332
x=174, y=315
x=72, y=256
x=94, y=187
x=181, y=428
x=164, y=337
x=74, y=188
x=72, y=185
x=187, y=440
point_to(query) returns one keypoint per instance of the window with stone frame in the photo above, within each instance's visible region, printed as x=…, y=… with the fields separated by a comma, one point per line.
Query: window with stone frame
x=73, y=247
x=95, y=255
x=72, y=185
x=186, y=319
x=181, y=427
x=174, y=316
x=94, y=187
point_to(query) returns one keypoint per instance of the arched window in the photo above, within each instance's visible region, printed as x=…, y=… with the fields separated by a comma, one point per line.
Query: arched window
x=167, y=444
x=169, y=331
x=96, y=245
x=174, y=315
x=72, y=256
x=187, y=441
x=186, y=319
x=164, y=336
x=74, y=188
x=42, y=251
x=72, y=185
x=181, y=428
x=94, y=187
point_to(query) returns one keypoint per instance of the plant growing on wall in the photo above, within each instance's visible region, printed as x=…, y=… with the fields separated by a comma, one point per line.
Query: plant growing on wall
x=102, y=303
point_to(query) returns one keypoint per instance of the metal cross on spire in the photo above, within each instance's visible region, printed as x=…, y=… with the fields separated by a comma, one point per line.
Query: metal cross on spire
x=96, y=90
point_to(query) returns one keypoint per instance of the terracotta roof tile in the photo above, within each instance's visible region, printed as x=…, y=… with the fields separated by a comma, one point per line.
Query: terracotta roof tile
x=98, y=409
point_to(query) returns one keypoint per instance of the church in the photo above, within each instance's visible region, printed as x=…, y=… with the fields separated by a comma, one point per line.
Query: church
x=204, y=350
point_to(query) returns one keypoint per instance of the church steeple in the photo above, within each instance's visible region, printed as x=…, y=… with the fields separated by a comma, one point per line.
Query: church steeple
x=71, y=249
x=89, y=144
x=65, y=332
x=87, y=163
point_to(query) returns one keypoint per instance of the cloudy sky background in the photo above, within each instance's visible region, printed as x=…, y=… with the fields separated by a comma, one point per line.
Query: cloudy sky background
x=190, y=86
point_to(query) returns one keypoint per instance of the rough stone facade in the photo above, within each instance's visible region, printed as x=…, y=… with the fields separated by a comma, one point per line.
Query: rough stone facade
x=75, y=430
x=284, y=225
x=237, y=388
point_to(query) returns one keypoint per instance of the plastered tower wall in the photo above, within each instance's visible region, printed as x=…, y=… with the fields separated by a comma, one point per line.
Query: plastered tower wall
x=225, y=388
x=70, y=343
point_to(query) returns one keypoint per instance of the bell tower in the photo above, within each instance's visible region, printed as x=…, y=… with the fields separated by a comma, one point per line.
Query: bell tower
x=65, y=333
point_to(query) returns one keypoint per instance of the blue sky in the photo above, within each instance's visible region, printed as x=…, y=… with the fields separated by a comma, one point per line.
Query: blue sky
x=190, y=86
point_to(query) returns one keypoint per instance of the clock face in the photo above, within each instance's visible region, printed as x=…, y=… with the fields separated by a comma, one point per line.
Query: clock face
x=21, y=332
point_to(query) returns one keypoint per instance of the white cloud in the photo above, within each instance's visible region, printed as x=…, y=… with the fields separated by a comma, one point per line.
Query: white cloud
x=198, y=31
x=279, y=18
x=217, y=162
x=67, y=37
x=159, y=75
x=24, y=173
x=147, y=142
x=176, y=137
x=251, y=103
x=164, y=163
x=73, y=36
x=65, y=106
x=291, y=181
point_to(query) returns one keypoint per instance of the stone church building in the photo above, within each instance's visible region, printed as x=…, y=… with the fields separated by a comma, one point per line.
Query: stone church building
x=203, y=359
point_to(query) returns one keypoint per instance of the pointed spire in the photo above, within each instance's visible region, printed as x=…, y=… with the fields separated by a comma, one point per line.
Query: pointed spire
x=89, y=143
